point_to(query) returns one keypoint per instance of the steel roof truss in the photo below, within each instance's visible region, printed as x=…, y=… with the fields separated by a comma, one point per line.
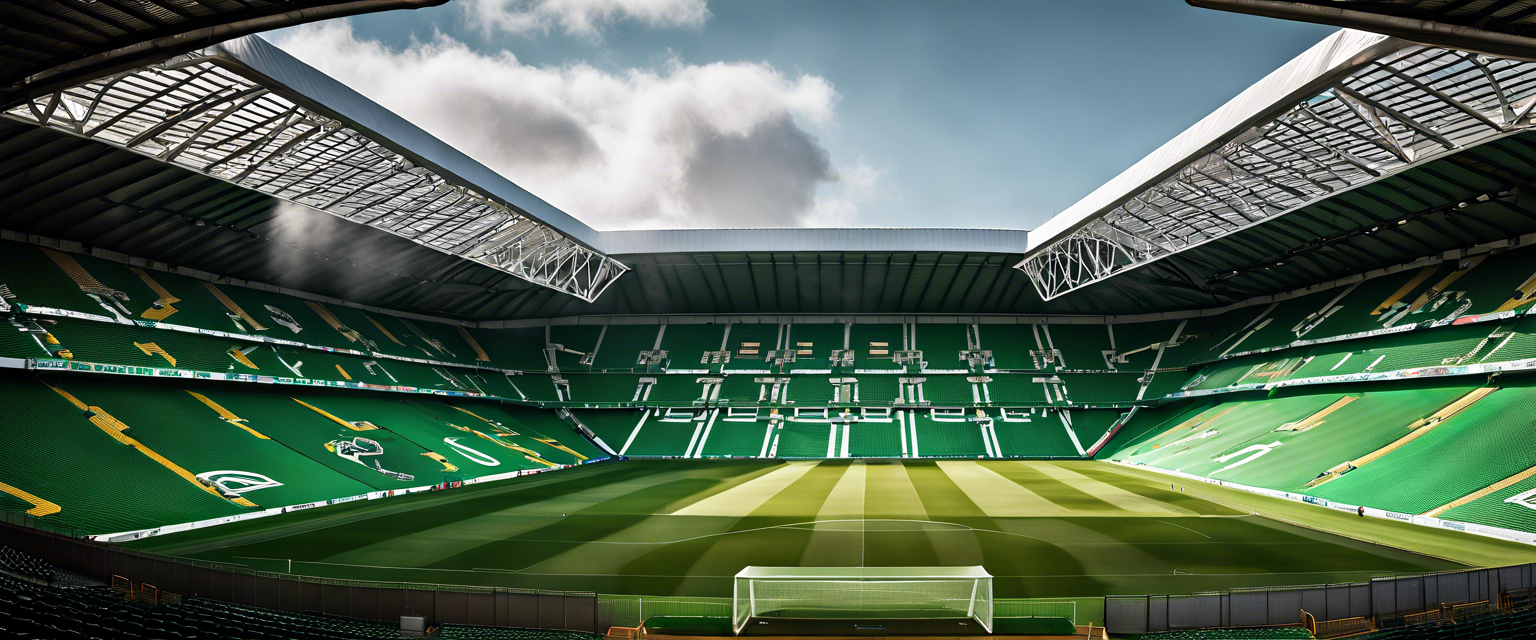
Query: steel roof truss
x=1398, y=111
x=201, y=111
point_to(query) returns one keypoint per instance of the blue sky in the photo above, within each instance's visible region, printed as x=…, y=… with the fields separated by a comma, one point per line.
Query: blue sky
x=695, y=113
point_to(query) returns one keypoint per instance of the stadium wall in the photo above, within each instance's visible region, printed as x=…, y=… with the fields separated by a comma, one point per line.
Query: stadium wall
x=1381, y=599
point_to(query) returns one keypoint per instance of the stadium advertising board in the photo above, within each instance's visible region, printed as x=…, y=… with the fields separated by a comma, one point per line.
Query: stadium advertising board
x=245, y=337
x=58, y=364
x=1386, y=331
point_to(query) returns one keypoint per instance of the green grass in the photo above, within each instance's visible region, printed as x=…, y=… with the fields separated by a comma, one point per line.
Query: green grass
x=1054, y=530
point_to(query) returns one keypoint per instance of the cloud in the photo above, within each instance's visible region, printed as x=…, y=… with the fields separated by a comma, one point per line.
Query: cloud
x=858, y=187
x=736, y=176
x=584, y=18
x=679, y=145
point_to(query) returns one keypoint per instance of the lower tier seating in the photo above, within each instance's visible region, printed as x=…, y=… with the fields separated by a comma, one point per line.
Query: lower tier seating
x=1280, y=633
x=32, y=610
x=1511, y=625
x=28, y=610
x=472, y=632
x=1458, y=449
x=179, y=451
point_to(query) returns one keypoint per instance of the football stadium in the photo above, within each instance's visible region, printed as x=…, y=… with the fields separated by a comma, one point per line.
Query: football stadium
x=1275, y=380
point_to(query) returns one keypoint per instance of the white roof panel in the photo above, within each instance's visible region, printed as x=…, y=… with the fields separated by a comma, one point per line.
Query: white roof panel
x=1278, y=91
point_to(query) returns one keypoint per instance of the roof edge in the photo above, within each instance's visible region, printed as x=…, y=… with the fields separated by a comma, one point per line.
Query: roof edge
x=1308, y=73
x=874, y=239
x=307, y=84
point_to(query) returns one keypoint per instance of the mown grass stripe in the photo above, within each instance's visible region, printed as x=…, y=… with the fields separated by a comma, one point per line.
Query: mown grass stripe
x=1076, y=501
x=805, y=496
x=995, y=495
x=1147, y=488
x=742, y=493
x=839, y=542
x=888, y=492
x=1127, y=500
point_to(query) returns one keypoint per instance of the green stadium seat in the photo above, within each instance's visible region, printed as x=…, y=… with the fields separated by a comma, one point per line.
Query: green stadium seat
x=1010, y=345
x=622, y=344
x=874, y=345
x=686, y=345
x=941, y=344
x=746, y=338
x=814, y=343
x=1081, y=345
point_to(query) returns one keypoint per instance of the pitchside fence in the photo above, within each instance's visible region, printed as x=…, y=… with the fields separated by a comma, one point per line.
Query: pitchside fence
x=1382, y=601
x=630, y=611
x=493, y=606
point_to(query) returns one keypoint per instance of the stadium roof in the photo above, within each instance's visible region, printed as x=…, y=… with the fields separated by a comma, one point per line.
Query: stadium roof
x=60, y=186
x=1363, y=153
x=1353, y=110
x=184, y=161
x=47, y=45
x=249, y=114
x=1505, y=28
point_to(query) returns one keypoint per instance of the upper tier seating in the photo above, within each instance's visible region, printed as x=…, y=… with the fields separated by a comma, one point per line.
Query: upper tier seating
x=941, y=344
x=749, y=344
x=176, y=452
x=1463, y=289
x=581, y=339
x=687, y=344
x=1081, y=345
x=1011, y=345
x=875, y=345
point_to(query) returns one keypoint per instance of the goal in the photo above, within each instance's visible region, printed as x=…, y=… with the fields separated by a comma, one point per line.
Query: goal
x=936, y=600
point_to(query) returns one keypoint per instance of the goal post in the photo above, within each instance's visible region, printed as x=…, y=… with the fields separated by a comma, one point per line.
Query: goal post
x=941, y=598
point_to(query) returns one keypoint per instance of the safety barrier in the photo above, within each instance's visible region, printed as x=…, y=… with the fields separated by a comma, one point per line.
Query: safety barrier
x=1337, y=628
x=631, y=611
x=1385, y=600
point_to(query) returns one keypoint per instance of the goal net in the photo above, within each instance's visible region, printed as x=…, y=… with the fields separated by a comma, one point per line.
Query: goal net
x=862, y=593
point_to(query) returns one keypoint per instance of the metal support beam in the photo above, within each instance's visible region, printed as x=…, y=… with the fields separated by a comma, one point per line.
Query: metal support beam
x=1406, y=107
x=205, y=112
x=1425, y=32
x=126, y=51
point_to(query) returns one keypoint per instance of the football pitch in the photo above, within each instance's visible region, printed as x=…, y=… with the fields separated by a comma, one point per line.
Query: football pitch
x=684, y=527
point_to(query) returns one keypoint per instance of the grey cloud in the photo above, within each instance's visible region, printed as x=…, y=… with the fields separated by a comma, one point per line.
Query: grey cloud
x=524, y=134
x=765, y=178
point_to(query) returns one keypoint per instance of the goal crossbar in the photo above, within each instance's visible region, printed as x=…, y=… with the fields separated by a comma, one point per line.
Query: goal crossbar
x=872, y=593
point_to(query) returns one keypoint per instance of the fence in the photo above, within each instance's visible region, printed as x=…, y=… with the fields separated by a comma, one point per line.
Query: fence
x=1020, y=608
x=1381, y=599
x=439, y=604
x=630, y=611
x=1338, y=628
